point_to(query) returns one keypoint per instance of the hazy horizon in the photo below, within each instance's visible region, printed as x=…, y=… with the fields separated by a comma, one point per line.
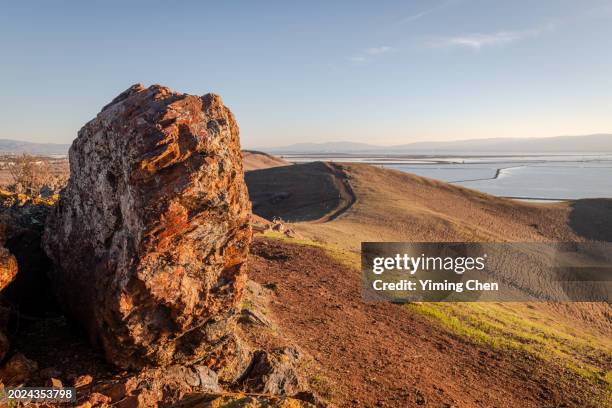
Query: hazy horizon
x=372, y=143
x=484, y=138
x=387, y=73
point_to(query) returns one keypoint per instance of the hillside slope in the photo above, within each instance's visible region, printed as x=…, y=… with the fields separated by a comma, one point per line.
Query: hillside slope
x=254, y=160
x=387, y=205
x=392, y=205
x=304, y=192
x=384, y=355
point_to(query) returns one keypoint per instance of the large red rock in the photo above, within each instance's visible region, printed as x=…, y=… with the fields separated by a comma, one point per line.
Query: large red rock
x=150, y=237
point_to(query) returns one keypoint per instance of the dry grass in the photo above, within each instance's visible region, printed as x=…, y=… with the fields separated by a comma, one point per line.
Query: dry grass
x=254, y=160
x=395, y=206
x=531, y=328
x=30, y=174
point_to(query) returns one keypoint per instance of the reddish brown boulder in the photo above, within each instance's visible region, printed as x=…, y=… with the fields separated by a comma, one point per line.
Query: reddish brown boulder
x=150, y=237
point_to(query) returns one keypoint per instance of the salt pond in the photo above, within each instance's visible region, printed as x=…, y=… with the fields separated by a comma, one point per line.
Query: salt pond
x=534, y=177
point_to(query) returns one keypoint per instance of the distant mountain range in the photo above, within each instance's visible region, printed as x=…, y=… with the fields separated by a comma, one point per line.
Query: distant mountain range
x=9, y=146
x=599, y=143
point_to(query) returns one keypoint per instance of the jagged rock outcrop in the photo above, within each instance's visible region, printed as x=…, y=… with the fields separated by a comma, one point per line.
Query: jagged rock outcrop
x=22, y=260
x=150, y=236
x=241, y=401
x=22, y=221
x=151, y=387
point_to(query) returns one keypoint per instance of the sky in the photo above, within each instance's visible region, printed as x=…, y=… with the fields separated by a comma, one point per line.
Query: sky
x=384, y=72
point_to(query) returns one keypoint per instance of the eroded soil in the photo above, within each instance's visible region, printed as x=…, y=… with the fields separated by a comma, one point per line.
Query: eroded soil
x=382, y=355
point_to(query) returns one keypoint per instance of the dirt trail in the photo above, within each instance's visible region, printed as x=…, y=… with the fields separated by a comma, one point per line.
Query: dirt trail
x=308, y=193
x=345, y=193
x=381, y=355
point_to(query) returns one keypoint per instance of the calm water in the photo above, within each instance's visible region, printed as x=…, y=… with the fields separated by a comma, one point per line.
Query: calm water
x=537, y=177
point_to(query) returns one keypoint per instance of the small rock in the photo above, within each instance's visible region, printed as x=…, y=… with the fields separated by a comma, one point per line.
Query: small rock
x=115, y=390
x=49, y=372
x=291, y=233
x=312, y=398
x=254, y=317
x=208, y=379
x=130, y=402
x=56, y=383
x=420, y=398
x=95, y=398
x=83, y=380
x=17, y=370
x=275, y=373
x=8, y=267
x=162, y=386
x=240, y=401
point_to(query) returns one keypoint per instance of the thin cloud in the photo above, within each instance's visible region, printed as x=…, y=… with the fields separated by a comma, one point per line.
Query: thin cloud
x=357, y=58
x=369, y=53
x=477, y=41
x=426, y=12
x=378, y=50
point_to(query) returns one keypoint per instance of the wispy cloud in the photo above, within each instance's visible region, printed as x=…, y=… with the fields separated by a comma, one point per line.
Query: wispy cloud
x=421, y=14
x=357, y=58
x=477, y=41
x=378, y=50
x=369, y=53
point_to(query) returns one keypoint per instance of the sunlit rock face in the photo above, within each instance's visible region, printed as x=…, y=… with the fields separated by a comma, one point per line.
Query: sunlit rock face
x=150, y=237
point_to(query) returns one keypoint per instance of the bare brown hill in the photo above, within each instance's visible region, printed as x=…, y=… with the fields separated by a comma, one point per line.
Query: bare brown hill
x=255, y=160
x=305, y=192
x=388, y=205
x=381, y=355
x=392, y=205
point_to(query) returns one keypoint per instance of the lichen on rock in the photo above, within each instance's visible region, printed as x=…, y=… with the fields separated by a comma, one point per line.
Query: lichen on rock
x=150, y=237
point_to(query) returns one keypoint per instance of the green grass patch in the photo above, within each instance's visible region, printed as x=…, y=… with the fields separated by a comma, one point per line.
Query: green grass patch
x=513, y=326
x=509, y=326
x=346, y=257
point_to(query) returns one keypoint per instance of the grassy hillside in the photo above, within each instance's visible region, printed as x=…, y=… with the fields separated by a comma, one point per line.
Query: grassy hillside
x=395, y=206
x=254, y=160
